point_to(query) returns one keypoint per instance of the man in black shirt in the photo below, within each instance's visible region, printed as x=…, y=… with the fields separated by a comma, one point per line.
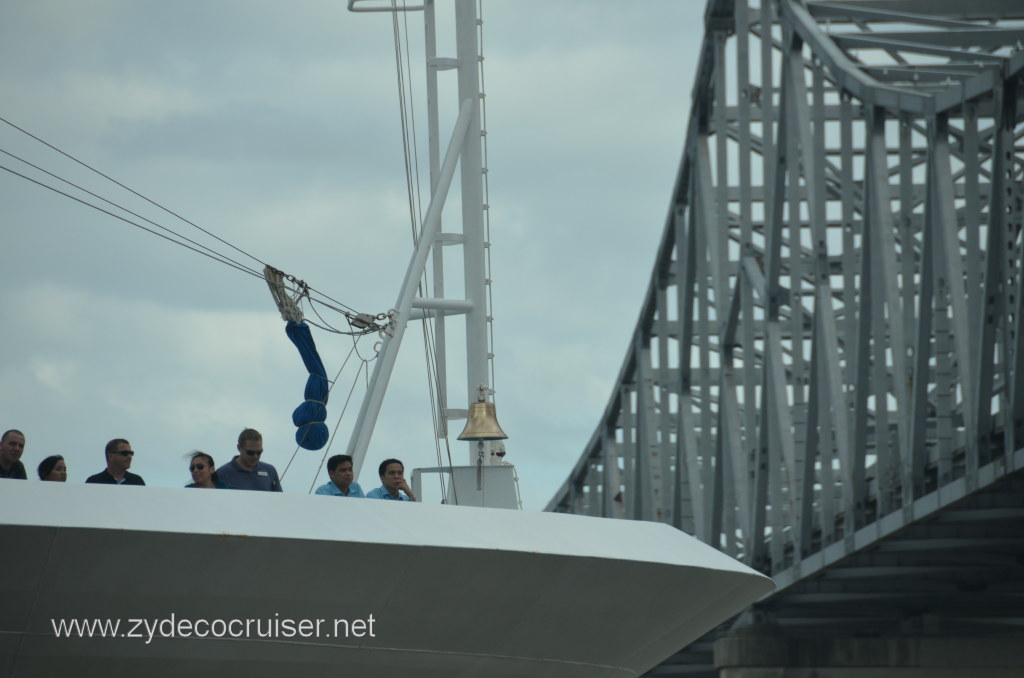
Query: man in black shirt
x=119, y=459
x=12, y=444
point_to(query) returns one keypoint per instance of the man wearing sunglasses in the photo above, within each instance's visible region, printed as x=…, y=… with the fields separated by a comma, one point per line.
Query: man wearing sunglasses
x=119, y=459
x=247, y=471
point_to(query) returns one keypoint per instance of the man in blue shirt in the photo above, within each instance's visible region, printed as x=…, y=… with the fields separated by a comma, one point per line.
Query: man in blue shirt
x=392, y=475
x=246, y=471
x=339, y=468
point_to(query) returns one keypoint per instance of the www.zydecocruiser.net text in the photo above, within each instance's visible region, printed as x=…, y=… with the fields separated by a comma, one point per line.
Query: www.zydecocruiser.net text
x=276, y=627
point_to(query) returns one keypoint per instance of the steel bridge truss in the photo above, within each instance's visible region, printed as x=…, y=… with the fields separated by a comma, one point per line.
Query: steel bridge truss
x=832, y=335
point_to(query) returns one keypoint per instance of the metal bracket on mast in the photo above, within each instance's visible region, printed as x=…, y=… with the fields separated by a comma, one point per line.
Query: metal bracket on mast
x=380, y=6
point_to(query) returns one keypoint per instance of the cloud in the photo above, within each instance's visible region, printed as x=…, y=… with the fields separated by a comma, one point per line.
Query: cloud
x=55, y=374
x=278, y=130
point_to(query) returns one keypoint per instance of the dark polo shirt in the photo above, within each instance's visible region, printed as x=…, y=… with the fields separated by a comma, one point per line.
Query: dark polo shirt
x=262, y=477
x=17, y=471
x=105, y=478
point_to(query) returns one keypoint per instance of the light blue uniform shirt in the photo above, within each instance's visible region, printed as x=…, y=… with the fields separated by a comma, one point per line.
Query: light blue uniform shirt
x=382, y=493
x=331, y=489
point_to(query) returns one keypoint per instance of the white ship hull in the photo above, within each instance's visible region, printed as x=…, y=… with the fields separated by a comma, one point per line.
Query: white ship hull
x=452, y=591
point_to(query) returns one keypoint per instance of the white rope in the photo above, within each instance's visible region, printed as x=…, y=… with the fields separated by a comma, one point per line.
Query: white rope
x=412, y=172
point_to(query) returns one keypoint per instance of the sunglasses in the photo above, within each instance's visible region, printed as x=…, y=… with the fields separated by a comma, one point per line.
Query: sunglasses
x=126, y=453
x=254, y=453
x=196, y=467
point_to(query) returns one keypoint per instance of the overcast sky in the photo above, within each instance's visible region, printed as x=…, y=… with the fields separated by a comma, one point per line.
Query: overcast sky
x=276, y=127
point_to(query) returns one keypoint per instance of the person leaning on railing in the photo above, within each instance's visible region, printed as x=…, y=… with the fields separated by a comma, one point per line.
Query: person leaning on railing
x=53, y=468
x=246, y=471
x=203, y=472
x=342, y=483
x=119, y=455
x=12, y=445
x=393, y=485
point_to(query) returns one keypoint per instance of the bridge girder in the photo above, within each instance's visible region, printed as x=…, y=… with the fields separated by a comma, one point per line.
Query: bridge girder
x=832, y=337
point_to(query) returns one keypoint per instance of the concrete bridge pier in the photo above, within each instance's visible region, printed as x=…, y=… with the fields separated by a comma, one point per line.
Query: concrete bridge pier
x=770, y=652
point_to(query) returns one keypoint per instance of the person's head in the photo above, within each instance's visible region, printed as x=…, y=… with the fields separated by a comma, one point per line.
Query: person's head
x=53, y=468
x=119, y=456
x=339, y=468
x=250, y=447
x=12, y=444
x=201, y=467
x=392, y=474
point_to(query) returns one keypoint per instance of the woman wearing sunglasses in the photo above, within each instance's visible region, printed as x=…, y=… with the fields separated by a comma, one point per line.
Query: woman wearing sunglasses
x=204, y=473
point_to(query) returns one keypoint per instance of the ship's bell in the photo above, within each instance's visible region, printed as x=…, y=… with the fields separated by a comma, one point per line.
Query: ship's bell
x=482, y=423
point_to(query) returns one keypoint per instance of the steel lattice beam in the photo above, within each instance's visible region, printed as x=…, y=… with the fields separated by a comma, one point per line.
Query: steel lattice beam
x=844, y=255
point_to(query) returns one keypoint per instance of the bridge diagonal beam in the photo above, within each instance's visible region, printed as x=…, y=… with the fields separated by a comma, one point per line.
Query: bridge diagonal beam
x=828, y=353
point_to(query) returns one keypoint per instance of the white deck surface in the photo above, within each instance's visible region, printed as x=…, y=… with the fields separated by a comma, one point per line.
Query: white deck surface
x=454, y=591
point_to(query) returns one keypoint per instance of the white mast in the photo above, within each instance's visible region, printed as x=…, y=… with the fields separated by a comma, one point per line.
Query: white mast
x=464, y=149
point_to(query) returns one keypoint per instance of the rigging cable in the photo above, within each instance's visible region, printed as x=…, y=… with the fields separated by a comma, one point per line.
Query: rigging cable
x=412, y=116
x=129, y=221
x=363, y=367
x=212, y=254
x=407, y=115
x=130, y=190
x=438, y=404
x=334, y=432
